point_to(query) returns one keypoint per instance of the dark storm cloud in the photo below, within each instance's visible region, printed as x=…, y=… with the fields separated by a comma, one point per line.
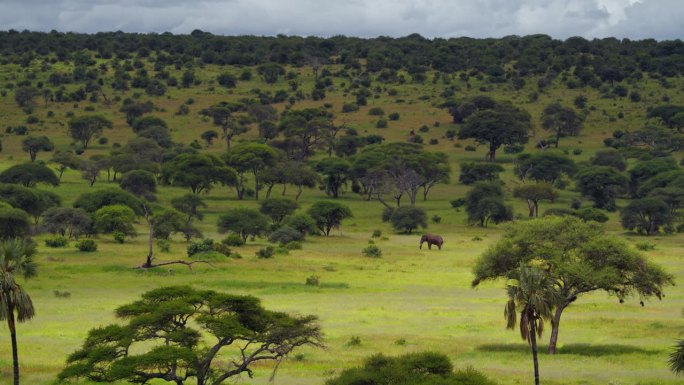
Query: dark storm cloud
x=431, y=18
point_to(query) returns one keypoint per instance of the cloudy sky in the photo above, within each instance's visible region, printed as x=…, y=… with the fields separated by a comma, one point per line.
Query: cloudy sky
x=659, y=19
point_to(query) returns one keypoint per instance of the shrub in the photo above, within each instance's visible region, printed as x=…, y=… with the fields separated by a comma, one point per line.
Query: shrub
x=514, y=148
x=458, y=203
x=470, y=147
x=164, y=245
x=434, y=141
x=377, y=233
x=86, y=245
x=284, y=235
x=354, y=341
x=294, y=245
x=201, y=246
x=119, y=236
x=376, y=111
x=57, y=241
x=350, y=107
x=234, y=240
x=381, y=123
x=645, y=246
x=436, y=219
x=393, y=116
x=266, y=252
x=372, y=251
x=577, y=151
x=312, y=280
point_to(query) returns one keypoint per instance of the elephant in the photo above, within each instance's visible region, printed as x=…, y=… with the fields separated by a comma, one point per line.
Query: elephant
x=431, y=239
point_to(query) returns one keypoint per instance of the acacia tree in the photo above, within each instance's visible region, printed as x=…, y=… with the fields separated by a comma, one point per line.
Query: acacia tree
x=16, y=259
x=224, y=115
x=84, y=128
x=602, y=184
x=243, y=221
x=34, y=144
x=199, y=172
x=504, y=124
x=336, y=173
x=327, y=214
x=646, y=215
x=180, y=335
x=485, y=203
x=29, y=174
x=533, y=193
x=561, y=120
x=578, y=257
x=533, y=295
x=253, y=158
x=64, y=161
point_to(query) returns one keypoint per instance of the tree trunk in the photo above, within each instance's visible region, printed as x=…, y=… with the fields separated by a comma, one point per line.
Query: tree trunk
x=150, y=252
x=285, y=189
x=225, y=135
x=555, y=324
x=530, y=207
x=268, y=191
x=536, y=209
x=533, y=342
x=13, y=337
x=557, y=137
x=492, y=153
x=299, y=192
x=256, y=187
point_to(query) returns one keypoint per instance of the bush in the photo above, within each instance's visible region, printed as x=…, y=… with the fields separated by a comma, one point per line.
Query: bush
x=377, y=233
x=103, y=140
x=266, y=252
x=470, y=148
x=645, y=246
x=234, y=240
x=86, y=245
x=350, y=107
x=382, y=123
x=372, y=251
x=57, y=241
x=436, y=219
x=376, y=111
x=119, y=236
x=294, y=245
x=312, y=280
x=577, y=151
x=393, y=116
x=284, y=235
x=434, y=141
x=458, y=203
x=514, y=148
x=164, y=245
x=201, y=246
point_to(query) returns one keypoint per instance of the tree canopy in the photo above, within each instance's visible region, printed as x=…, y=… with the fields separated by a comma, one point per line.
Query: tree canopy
x=199, y=172
x=177, y=334
x=579, y=258
x=29, y=174
x=503, y=124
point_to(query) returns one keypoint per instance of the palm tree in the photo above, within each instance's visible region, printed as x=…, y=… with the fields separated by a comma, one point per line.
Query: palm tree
x=533, y=295
x=677, y=357
x=16, y=258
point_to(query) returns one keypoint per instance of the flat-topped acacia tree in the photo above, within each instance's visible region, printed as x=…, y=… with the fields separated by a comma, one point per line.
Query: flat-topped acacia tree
x=181, y=335
x=579, y=258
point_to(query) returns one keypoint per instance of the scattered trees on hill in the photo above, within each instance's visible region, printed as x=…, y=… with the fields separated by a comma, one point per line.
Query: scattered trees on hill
x=225, y=115
x=184, y=331
x=582, y=259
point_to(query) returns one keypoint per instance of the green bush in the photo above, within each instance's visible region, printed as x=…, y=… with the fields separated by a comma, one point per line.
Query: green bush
x=164, y=245
x=201, y=246
x=377, y=233
x=57, y=241
x=86, y=245
x=294, y=245
x=381, y=123
x=372, y=251
x=266, y=252
x=234, y=240
x=470, y=148
x=119, y=236
x=312, y=280
x=645, y=246
x=284, y=235
x=350, y=107
x=393, y=116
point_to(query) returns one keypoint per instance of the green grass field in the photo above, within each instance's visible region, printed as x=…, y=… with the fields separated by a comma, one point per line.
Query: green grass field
x=408, y=300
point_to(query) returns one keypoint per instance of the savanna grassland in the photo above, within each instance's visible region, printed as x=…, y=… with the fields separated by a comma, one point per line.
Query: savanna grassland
x=407, y=300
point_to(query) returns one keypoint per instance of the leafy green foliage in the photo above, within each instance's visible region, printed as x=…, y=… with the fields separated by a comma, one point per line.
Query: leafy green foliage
x=328, y=214
x=243, y=221
x=199, y=172
x=86, y=245
x=485, y=203
x=421, y=368
x=29, y=174
x=645, y=215
x=472, y=172
x=602, y=184
x=405, y=219
x=184, y=332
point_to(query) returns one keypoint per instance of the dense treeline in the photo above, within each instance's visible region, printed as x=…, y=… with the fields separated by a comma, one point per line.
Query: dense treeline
x=608, y=59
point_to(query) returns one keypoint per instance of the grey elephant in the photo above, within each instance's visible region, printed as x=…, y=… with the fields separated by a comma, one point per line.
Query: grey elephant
x=431, y=239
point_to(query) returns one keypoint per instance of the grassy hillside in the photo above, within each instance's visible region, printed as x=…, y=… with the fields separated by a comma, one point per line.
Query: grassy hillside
x=408, y=300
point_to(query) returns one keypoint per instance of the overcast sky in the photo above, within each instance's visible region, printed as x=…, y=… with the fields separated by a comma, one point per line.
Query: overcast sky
x=635, y=19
